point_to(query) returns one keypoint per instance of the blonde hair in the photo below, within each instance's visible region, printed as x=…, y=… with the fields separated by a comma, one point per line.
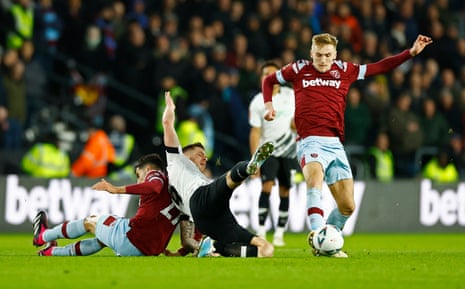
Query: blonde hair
x=324, y=39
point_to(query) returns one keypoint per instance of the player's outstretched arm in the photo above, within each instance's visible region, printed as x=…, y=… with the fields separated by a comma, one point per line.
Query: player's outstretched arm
x=389, y=63
x=420, y=43
x=169, y=133
x=103, y=185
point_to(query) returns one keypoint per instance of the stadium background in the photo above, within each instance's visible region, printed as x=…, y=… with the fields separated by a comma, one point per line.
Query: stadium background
x=95, y=59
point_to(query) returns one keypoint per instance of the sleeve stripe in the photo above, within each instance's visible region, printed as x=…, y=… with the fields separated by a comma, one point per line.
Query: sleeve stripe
x=362, y=72
x=279, y=77
x=172, y=150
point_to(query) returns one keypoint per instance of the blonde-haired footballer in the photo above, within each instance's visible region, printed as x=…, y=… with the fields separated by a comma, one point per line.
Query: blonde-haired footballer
x=320, y=86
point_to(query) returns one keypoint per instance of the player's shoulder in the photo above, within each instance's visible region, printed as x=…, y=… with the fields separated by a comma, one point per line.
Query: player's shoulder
x=344, y=65
x=156, y=175
x=297, y=65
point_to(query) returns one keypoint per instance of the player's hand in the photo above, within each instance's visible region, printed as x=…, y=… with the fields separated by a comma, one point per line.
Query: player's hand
x=270, y=113
x=168, y=113
x=103, y=185
x=420, y=43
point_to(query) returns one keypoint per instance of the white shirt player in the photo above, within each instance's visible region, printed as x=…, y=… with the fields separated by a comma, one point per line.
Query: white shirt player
x=279, y=130
x=185, y=177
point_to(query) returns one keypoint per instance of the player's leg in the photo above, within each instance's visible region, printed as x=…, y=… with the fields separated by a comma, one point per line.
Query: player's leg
x=80, y=248
x=313, y=160
x=231, y=239
x=284, y=176
x=258, y=247
x=313, y=174
x=83, y=247
x=343, y=193
x=268, y=173
x=264, y=207
x=242, y=170
x=67, y=230
x=341, y=185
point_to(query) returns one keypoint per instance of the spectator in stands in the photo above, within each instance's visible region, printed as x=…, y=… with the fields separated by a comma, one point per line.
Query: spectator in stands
x=416, y=90
x=45, y=159
x=97, y=154
x=380, y=160
x=126, y=151
x=357, y=119
x=451, y=111
x=138, y=13
x=15, y=89
x=441, y=169
x=119, y=19
x=133, y=59
x=180, y=97
x=257, y=37
x=93, y=53
x=48, y=27
x=11, y=133
x=104, y=21
x=35, y=79
x=75, y=22
x=406, y=136
x=457, y=153
x=345, y=18
x=434, y=125
x=20, y=23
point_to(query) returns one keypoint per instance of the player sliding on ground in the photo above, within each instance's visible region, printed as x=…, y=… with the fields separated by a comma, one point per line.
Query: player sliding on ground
x=147, y=233
x=320, y=88
x=205, y=200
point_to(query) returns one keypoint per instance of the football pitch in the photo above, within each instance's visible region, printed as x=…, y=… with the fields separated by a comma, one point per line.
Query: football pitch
x=376, y=261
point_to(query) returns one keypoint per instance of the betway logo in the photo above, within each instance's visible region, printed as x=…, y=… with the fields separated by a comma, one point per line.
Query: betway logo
x=60, y=200
x=321, y=82
x=447, y=208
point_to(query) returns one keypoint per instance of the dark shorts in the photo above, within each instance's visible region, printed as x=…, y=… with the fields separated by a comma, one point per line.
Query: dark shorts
x=212, y=214
x=278, y=168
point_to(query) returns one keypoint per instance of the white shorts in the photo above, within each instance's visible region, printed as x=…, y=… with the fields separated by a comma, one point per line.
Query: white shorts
x=329, y=152
x=111, y=230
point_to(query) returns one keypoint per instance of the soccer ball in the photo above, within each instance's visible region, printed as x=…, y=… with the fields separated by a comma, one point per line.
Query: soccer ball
x=327, y=240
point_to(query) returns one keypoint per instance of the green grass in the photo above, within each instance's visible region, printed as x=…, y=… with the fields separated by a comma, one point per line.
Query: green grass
x=376, y=261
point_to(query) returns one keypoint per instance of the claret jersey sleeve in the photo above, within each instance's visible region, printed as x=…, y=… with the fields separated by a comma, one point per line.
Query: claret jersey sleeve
x=153, y=184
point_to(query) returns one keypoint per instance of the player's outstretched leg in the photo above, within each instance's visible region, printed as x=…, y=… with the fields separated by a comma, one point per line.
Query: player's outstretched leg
x=262, y=153
x=39, y=225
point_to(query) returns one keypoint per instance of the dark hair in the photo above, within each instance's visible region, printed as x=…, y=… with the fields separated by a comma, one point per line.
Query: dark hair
x=268, y=64
x=192, y=146
x=152, y=160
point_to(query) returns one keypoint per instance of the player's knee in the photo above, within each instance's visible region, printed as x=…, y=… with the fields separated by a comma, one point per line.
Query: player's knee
x=90, y=223
x=347, y=209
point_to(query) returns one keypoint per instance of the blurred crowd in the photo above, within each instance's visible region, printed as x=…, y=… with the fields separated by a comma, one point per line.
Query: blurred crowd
x=208, y=54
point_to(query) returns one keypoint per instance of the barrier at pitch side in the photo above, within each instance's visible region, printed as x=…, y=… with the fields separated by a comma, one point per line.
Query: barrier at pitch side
x=402, y=206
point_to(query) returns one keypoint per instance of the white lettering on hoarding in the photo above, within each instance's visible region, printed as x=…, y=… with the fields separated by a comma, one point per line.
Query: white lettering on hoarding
x=447, y=208
x=61, y=201
x=244, y=204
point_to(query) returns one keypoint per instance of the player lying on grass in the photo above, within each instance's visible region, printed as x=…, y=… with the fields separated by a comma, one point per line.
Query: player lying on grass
x=147, y=233
x=207, y=200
